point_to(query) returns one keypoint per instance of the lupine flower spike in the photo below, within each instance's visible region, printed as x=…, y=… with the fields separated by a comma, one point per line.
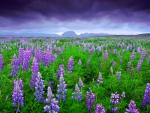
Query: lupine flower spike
x=122, y=95
x=118, y=75
x=18, y=99
x=35, y=70
x=99, y=109
x=61, y=92
x=60, y=71
x=39, y=86
x=146, y=99
x=100, y=79
x=90, y=100
x=81, y=83
x=70, y=64
x=53, y=103
x=1, y=62
x=79, y=62
x=131, y=108
x=114, y=101
x=77, y=95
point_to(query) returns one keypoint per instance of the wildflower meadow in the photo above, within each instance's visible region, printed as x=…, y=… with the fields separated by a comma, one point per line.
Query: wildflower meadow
x=75, y=75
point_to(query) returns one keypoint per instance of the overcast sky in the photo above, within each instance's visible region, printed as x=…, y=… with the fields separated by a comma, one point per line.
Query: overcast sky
x=90, y=16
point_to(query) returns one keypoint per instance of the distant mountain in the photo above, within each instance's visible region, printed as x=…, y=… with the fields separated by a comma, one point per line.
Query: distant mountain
x=65, y=34
x=93, y=34
x=73, y=34
x=69, y=34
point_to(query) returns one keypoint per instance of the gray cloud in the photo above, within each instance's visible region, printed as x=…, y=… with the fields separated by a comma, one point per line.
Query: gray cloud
x=86, y=15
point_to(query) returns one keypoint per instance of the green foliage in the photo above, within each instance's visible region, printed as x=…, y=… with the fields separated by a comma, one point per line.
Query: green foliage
x=134, y=85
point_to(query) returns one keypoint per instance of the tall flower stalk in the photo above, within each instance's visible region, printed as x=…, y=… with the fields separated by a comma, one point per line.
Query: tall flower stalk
x=61, y=71
x=70, y=64
x=26, y=59
x=39, y=86
x=131, y=108
x=105, y=55
x=90, y=100
x=61, y=92
x=114, y=101
x=100, y=79
x=35, y=70
x=52, y=106
x=81, y=83
x=118, y=75
x=99, y=109
x=1, y=63
x=46, y=58
x=146, y=99
x=17, y=96
x=14, y=66
x=77, y=95
x=21, y=52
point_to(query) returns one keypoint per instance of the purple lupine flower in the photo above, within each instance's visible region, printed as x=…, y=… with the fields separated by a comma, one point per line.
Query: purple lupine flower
x=79, y=62
x=61, y=92
x=92, y=49
x=132, y=57
x=115, y=50
x=77, y=95
x=114, y=101
x=39, y=86
x=38, y=55
x=90, y=100
x=17, y=96
x=1, y=63
x=114, y=63
x=99, y=109
x=21, y=52
x=81, y=83
x=143, y=54
x=26, y=59
x=54, y=58
x=131, y=108
x=14, y=66
x=61, y=71
x=70, y=64
x=146, y=99
x=53, y=103
x=105, y=55
x=118, y=53
x=139, y=65
x=118, y=74
x=100, y=79
x=127, y=49
x=122, y=95
x=35, y=70
x=46, y=58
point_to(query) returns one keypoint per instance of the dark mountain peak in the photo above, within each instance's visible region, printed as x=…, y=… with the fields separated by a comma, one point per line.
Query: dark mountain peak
x=69, y=34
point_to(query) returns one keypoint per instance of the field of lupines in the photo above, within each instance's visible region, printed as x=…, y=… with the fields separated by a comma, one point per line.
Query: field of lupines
x=87, y=75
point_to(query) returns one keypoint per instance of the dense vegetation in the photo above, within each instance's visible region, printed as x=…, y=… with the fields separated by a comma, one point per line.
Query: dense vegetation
x=122, y=66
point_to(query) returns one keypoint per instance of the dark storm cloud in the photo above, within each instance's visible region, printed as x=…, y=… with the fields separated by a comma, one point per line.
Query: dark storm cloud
x=67, y=10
